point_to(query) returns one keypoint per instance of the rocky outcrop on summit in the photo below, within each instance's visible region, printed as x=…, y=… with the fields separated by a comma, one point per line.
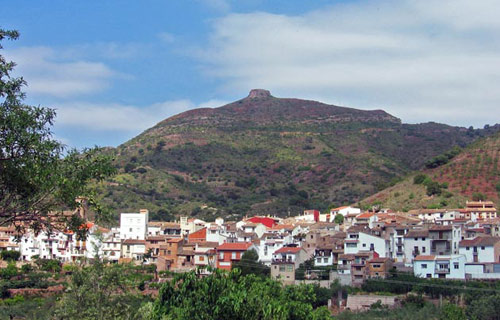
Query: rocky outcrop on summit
x=259, y=93
x=261, y=108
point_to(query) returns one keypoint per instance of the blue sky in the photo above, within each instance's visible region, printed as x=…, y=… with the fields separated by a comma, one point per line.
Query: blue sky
x=114, y=68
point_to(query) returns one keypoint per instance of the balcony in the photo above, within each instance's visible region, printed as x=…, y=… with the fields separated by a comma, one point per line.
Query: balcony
x=441, y=251
x=440, y=237
x=344, y=267
x=443, y=269
x=278, y=261
x=415, y=253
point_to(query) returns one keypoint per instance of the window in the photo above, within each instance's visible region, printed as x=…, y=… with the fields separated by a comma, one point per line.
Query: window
x=416, y=239
x=221, y=255
x=233, y=255
x=424, y=266
x=423, y=249
x=456, y=266
x=429, y=275
x=325, y=260
x=482, y=248
x=289, y=268
x=282, y=268
x=423, y=239
x=364, y=245
x=318, y=260
x=130, y=229
x=202, y=258
x=467, y=248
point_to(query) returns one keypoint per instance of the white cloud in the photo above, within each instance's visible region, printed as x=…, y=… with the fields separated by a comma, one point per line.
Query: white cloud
x=118, y=117
x=166, y=37
x=50, y=73
x=221, y=5
x=420, y=60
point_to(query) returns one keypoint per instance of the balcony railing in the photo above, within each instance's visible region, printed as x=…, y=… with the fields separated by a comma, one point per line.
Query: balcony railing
x=282, y=261
x=443, y=270
x=441, y=251
x=440, y=237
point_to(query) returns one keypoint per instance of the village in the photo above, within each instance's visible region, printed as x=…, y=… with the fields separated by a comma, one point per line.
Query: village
x=350, y=244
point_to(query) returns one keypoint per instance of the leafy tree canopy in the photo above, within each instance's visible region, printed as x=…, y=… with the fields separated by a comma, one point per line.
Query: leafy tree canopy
x=229, y=295
x=38, y=175
x=249, y=264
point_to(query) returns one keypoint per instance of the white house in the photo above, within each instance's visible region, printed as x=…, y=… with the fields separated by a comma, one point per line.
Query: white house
x=416, y=243
x=133, y=249
x=345, y=210
x=481, y=249
x=367, y=242
x=134, y=225
x=446, y=267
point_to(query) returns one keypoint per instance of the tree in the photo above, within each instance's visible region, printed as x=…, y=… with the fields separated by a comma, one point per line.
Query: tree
x=484, y=308
x=452, y=312
x=10, y=255
x=102, y=292
x=229, y=295
x=38, y=175
x=249, y=264
x=419, y=178
x=339, y=219
x=478, y=196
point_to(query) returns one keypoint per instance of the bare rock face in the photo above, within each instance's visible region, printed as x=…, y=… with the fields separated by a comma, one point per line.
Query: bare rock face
x=259, y=93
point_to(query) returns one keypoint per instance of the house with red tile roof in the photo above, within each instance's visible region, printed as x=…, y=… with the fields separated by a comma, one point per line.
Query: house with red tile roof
x=266, y=221
x=285, y=261
x=198, y=236
x=228, y=253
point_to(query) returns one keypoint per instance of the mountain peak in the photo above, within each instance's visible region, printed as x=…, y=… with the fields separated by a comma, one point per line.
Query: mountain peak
x=259, y=93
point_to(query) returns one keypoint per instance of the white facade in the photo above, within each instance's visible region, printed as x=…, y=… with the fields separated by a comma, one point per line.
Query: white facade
x=134, y=225
x=343, y=211
x=323, y=260
x=367, y=242
x=414, y=246
x=447, y=267
x=266, y=249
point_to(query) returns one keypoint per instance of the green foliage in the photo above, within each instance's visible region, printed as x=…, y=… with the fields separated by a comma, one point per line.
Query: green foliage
x=478, y=196
x=49, y=265
x=484, y=308
x=443, y=158
x=339, y=219
x=452, y=312
x=9, y=271
x=102, y=292
x=433, y=188
x=225, y=295
x=10, y=255
x=19, y=307
x=249, y=264
x=419, y=178
x=37, y=174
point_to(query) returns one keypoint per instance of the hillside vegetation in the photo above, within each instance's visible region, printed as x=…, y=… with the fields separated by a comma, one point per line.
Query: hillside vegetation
x=472, y=173
x=271, y=155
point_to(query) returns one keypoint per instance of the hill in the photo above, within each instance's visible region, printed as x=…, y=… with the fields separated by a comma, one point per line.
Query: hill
x=271, y=155
x=474, y=173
